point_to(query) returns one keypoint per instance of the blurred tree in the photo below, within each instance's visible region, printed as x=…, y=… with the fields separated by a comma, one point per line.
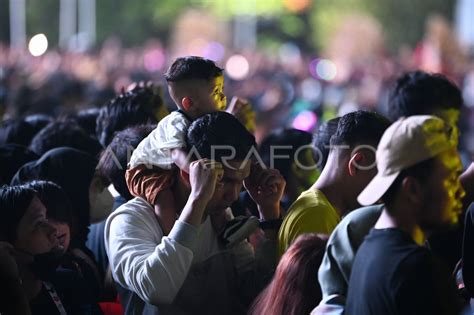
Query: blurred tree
x=309, y=22
x=404, y=20
x=43, y=17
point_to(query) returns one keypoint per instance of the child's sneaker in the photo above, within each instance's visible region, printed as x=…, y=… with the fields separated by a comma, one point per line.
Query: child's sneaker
x=238, y=229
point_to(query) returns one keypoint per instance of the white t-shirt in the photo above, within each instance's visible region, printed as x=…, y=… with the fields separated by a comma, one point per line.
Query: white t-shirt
x=156, y=148
x=184, y=269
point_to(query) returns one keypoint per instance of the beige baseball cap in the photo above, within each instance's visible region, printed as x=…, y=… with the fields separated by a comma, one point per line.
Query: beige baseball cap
x=406, y=142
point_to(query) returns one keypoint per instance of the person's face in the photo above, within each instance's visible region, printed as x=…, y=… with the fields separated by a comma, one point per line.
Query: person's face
x=450, y=118
x=443, y=192
x=211, y=97
x=228, y=189
x=63, y=232
x=35, y=234
x=100, y=199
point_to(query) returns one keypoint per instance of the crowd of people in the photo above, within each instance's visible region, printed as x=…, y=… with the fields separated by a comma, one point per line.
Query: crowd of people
x=169, y=199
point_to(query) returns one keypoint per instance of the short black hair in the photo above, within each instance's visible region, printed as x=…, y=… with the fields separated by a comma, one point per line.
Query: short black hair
x=420, y=171
x=64, y=134
x=360, y=127
x=38, y=121
x=12, y=157
x=16, y=131
x=136, y=107
x=219, y=129
x=322, y=141
x=73, y=170
x=58, y=206
x=87, y=119
x=120, y=150
x=283, y=137
x=421, y=93
x=192, y=68
x=14, y=202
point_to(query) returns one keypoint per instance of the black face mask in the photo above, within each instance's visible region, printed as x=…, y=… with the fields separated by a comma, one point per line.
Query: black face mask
x=44, y=265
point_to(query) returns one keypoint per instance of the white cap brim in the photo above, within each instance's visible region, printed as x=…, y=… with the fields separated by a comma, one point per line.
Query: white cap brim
x=376, y=189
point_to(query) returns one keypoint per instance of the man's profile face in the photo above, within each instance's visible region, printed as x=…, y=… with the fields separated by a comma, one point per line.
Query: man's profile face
x=443, y=192
x=228, y=188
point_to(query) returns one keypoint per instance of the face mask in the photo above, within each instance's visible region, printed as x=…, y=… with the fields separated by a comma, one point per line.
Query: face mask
x=44, y=265
x=101, y=205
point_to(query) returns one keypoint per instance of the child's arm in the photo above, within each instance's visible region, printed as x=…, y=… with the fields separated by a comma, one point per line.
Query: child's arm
x=180, y=158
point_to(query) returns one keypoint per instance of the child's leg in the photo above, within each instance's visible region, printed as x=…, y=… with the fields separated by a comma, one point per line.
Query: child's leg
x=165, y=210
x=153, y=185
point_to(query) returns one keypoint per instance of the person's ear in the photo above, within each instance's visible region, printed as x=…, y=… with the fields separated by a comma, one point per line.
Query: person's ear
x=413, y=190
x=355, y=162
x=186, y=102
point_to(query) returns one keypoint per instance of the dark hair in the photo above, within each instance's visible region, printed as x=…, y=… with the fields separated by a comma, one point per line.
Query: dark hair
x=38, y=121
x=283, y=137
x=421, y=93
x=219, y=129
x=73, y=170
x=420, y=171
x=114, y=159
x=16, y=131
x=322, y=141
x=192, y=68
x=55, y=200
x=136, y=107
x=64, y=134
x=360, y=127
x=12, y=157
x=87, y=120
x=14, y=201
x=294, y=289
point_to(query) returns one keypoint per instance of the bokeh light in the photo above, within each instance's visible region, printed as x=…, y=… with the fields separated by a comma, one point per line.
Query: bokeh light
x=323, y=69
x=306, y=121
x=237, y=67
x=289, y=53
x=296, y=5
x=311, y=90
x=214, y=51
x=326, y=69
x=38, y=45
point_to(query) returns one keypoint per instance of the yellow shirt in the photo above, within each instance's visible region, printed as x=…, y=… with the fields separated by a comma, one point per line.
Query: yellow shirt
x=310, y=213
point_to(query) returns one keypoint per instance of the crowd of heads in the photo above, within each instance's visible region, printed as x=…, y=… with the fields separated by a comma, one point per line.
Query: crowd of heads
x=58, y=167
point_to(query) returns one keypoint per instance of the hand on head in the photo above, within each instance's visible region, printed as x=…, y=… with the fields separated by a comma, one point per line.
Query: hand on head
x=204, y=176
x=266, y=187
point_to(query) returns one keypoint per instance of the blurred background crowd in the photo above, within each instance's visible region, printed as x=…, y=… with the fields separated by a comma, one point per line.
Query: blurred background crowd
x=299, y=62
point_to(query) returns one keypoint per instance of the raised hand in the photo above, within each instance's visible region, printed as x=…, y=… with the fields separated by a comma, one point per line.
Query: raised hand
x=204, y=175
x=266, y=187
x=242, y=110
